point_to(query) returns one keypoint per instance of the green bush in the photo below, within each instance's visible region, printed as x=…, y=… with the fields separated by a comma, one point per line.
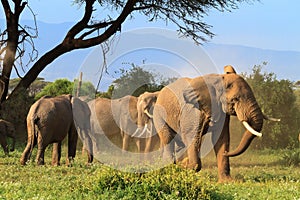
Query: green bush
x=291, y=157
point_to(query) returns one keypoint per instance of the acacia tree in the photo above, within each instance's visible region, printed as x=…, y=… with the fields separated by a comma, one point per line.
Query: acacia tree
x=91, y=31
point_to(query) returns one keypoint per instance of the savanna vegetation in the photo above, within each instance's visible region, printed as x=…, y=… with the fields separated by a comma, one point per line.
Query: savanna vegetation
x=262, y=174
x=268, y=170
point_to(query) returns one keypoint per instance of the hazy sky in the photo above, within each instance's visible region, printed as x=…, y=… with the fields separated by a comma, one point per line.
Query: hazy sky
x=269, y=24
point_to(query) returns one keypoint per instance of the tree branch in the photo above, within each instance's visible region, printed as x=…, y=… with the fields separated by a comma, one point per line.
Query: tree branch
x=77, y=28
x=112, y=29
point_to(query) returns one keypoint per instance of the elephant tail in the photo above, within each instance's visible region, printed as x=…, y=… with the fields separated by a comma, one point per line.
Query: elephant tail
x=34, y=132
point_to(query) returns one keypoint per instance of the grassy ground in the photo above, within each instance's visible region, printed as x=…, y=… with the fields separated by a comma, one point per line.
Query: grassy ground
x=257, y=175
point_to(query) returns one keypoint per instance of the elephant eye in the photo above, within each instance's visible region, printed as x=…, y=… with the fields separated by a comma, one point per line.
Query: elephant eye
x=235, y=99
x=229, y=86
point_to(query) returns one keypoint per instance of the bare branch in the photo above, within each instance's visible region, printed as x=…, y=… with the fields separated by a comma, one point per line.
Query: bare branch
x=17, y=72
x=94, y=28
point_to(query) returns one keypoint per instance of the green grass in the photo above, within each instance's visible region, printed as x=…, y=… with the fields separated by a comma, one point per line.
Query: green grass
x=257, y=175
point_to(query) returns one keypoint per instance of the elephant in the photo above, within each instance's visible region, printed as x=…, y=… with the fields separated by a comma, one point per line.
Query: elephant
x=7, y=129
x=119, y=118
x=145, y=106
x=82, y=115
x=191, y=107
x=49, y=120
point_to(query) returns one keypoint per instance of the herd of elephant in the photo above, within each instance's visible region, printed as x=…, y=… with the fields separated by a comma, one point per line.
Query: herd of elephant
x=179, y=115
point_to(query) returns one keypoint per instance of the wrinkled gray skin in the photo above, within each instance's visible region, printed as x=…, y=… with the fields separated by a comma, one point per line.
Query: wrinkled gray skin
x=50, y=120
x=189, y=106
x=82, y=115
x=7, y=129
x=145, y=106
x=118, y=117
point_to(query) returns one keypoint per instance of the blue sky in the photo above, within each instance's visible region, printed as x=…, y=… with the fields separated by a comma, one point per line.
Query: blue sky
x=268, y=24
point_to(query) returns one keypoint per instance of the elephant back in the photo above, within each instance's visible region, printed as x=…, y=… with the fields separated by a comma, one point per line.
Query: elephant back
x=49, y=112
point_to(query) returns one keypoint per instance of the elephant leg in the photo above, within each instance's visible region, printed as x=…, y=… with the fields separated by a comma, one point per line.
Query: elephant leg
x=4, y=144
x=13, y=144
x=125, y=141
x=89, y=146
x=72, y=143
x=179, y=143
x=56, y=154
x=40, y=154
x=221, y=146
x=138, y=144
x=194, y=161
x=166, y=135
x=192, y=153
x=41, y=150
x=148, y=144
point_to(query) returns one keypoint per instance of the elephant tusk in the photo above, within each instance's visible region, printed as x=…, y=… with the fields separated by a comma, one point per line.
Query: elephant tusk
x=136, y=131
x=271, y=118
x=144, y=130
x=148, y=114
x=250, y=129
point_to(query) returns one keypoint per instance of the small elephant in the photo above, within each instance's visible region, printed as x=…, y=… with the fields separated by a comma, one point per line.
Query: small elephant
x=82, y=115
x=7, y=129
x=119, y=117
x=193, y=107
x=145, y=106
x=49, y=120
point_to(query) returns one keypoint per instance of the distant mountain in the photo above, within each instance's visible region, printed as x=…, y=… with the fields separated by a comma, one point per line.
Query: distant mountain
x=285, y=64
x=155, y=47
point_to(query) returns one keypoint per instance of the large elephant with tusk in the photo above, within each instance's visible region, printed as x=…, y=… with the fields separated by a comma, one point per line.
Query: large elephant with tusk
x=119, y=117
x=193, y=107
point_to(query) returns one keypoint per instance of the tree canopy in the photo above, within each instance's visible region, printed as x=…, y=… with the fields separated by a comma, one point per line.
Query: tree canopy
x=64, y=86
x=135, y=81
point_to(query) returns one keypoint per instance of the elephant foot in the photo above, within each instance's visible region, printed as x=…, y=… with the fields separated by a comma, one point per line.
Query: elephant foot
x=225, y=179
x=70, y=161
x=40, y=162
x=183, y=162
x=193, y=166
x=55, y=164
x=90, y=159
x=22, y=161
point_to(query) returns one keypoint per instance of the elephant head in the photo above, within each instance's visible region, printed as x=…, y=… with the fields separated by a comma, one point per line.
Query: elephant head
x=240, y=101
x=145, y=106
x=229, y=93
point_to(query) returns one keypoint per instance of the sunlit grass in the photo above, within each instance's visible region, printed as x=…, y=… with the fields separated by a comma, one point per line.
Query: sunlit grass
x=257, y=175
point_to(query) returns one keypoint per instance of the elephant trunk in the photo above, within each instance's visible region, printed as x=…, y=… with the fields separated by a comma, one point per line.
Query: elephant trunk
x=251, y=114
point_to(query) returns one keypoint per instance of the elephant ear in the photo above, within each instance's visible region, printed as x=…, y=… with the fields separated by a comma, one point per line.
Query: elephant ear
x=217, y=96
x=69, y=96
x=197, y=95
x=228, y=69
